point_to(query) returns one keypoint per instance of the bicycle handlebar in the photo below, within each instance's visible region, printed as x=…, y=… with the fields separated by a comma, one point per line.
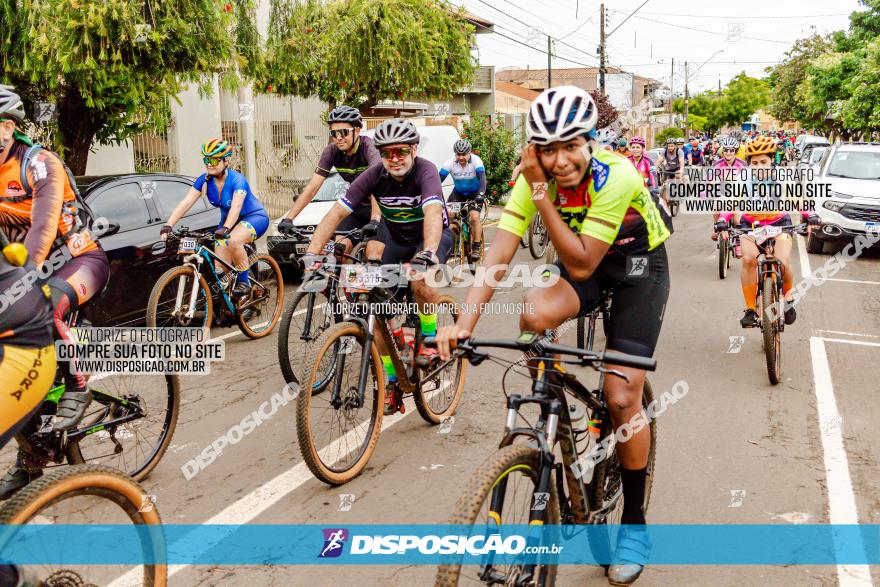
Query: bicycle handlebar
x=541, y=345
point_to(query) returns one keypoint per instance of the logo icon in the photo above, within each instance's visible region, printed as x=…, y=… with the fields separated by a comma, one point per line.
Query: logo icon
x=736, y=344
x=346, y=501
x=541, y=499
x=334, y=541
x=638, y=266
x=737, y=496
x=148, y=503
x=734, y=32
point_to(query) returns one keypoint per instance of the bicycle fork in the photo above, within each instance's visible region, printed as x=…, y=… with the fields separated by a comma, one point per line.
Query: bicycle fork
x=181, y=287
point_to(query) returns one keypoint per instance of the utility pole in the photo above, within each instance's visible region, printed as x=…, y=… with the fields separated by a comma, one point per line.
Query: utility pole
x=602, y=48
x=686, y=101
x=549, y=65
x=671, y=93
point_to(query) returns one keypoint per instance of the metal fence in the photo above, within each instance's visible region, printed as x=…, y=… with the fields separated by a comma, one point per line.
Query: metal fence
x=152, y=153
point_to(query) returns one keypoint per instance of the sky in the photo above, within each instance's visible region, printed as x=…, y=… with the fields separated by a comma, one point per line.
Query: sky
x=751, y=34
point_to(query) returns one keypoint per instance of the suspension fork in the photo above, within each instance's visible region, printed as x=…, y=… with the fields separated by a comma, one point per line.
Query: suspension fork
x=194, y=292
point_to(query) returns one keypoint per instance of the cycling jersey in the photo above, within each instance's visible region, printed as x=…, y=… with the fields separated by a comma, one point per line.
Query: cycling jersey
x=469, y=179
x=695, y=152
x=612, y=205
x=402, y=202
x=673, y=163
x=25, y=307
x=760, y=218
x=39, y=220
x=349, y=166
x=235, y=184
x=644, y=167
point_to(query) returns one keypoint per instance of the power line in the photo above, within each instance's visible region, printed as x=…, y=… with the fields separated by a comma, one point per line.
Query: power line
x=626, y=19
x=678, y=26
x=541, y=50
x=577, y=29
x=530, y=26
x=713, y=16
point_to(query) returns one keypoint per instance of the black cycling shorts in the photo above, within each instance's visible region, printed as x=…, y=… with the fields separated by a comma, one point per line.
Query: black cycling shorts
x=457, y=197
x=357, y=219
x=402, y=251
x=639, y=286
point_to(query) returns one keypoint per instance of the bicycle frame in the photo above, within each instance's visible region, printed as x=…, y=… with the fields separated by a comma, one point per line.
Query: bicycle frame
x=195, y=261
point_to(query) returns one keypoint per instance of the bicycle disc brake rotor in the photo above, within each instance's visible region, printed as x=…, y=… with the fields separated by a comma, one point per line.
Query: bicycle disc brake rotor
x=66, y=578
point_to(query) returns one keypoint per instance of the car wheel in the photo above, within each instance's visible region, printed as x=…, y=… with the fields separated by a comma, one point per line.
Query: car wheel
x=815, y=245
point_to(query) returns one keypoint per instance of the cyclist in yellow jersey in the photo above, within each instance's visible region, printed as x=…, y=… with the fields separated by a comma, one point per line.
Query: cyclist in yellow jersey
x=608, y=231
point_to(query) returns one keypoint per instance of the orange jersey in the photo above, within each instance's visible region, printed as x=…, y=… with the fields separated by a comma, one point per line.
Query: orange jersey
x=39, y=220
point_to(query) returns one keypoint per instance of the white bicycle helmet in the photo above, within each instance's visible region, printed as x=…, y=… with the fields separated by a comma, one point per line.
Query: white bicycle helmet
x=10, y=104
x=729, y=143
x=561, y=114
x=607, y=136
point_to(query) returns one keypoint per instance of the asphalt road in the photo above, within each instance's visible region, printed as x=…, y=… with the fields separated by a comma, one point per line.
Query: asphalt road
x=735, y=450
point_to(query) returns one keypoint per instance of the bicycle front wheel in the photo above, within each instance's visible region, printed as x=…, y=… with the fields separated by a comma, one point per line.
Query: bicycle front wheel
x=146, y=409
x=171, y=302
x=337, y=437
x=258, y=314
x=87, y=494
x=538, y=237
x=723, y=256
x=437, y=396
x=501, y=492
x=299, y=329
x=770, y=330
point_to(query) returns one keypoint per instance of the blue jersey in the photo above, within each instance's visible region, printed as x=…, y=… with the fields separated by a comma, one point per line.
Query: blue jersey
x=466, y=177
x=235, y=183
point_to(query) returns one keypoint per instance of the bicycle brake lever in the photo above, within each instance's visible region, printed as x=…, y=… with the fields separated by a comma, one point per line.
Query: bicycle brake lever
x=477, y=358
x=615, y=372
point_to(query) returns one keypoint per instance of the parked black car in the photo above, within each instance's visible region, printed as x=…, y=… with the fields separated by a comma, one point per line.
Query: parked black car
x=140, y=204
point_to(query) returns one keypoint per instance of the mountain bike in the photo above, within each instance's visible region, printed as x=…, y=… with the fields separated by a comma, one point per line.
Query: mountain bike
x=86, y=495
x=183, y=298
x=459, y=224
x=726, y=244
x=316, y=306
x=572, y=419
x=128, y=424
x=338, y=423
x=539, y=238
x=769, y=301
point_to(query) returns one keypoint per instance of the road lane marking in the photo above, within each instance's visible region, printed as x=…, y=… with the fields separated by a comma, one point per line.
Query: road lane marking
x=844, y=341
x=804, y=257
x=854, y=281
x=841, y=499
x=848, y=333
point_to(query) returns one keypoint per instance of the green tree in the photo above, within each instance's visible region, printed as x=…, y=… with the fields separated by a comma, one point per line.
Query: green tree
x=786, y=77
x=497, y=147
x=660, y=137
x=104, y=64
x=861, y=110
x=364, y=51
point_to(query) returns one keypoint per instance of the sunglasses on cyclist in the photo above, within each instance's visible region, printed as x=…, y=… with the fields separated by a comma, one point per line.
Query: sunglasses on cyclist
x=340, y=133
x=399, y=152
x=728, y=150
x=212, y=161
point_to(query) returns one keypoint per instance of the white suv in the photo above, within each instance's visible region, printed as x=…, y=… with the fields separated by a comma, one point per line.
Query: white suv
x=853, y=172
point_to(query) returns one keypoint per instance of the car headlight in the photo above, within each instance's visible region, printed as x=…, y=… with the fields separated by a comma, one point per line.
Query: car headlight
x=833, y=206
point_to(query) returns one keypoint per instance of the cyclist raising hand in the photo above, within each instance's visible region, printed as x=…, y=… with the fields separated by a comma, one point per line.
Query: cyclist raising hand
x=599, y=215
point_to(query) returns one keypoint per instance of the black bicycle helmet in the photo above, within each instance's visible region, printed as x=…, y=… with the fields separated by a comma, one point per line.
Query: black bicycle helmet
x=345, y=114
x=10, y=104
x=394, y=132
x=462, y=146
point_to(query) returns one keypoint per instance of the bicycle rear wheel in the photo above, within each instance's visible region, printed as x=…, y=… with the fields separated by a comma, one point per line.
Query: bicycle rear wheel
x=298, y=331
x=136, y=446
x=770, y=330
x=336, y=437
x=538, y=237
x=723, y=256
x=437, y=397
x=606, y=489
x=169, y=301
x=258, y=314
x=509, y=477
x=87, y=494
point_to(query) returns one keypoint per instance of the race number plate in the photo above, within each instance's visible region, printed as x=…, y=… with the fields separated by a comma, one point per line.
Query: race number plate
x=301, y=248
x=187, y=245
x=361, y=278
x=872, y=228
x=454, y=207
x=772, y=231
x=329, y=248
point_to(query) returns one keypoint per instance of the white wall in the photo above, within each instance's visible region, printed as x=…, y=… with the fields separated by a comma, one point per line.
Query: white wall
x=195, y=121
x=111, y=159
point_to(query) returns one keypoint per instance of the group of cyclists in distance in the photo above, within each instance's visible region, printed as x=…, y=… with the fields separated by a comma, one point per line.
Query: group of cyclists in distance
x=598, y=194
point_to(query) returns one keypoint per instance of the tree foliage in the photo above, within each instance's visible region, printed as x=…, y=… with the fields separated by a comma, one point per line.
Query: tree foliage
x=742, y=97
x=364, y=51
x=660, y=137
x=608, y=114
x=110, y=67
x=497, y=147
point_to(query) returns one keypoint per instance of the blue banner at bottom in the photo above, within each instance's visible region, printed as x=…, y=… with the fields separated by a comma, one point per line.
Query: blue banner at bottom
x=391, y=544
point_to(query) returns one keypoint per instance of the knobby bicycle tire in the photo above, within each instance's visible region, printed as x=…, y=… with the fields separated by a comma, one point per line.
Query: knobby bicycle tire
x=168, y=279
x=516, y=457
x=93, y=480
x=770, y=330
x=422, y=403
x=268, y=325
x=328, y=343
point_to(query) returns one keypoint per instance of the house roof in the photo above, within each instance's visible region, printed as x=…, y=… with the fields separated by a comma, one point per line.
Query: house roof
x=483, y=25
x=516, y=90
x=570, y=73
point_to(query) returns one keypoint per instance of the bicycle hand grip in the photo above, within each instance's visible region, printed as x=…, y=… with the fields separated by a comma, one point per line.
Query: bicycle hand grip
x=633, y=361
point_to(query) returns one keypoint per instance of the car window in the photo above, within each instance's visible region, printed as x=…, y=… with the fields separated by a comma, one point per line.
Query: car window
x=170, y=193
x=123, y=204
x=817, y=154
x=334, y=186
x=855, y=164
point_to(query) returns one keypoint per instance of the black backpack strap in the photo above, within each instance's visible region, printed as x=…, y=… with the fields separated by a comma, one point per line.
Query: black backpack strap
x=25, y=162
